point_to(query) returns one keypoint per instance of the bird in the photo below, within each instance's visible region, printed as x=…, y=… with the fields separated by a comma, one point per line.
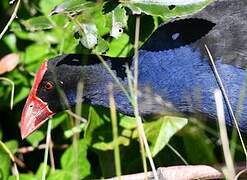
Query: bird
x=174, y=72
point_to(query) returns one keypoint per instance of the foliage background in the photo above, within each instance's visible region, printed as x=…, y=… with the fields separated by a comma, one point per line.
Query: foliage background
x=105, y=28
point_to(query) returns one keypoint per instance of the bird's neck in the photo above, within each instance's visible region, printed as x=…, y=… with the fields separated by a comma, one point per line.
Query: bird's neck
x=92, y=82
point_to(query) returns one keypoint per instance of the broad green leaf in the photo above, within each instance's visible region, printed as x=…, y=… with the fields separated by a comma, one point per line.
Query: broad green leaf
x=96, y=120
x=36, y=52
x=20, y=94
x=74, y=160
x=118, y=21
x=72, y=6
x=35, y=138
x=23, y=177
x=5, y=164
x=10, y=41
x=127, y=122
x=101, y=47
x=98, y=133
x=160, y=131
x=199, y=148
x=58, y=119
x=12, y=146
x=38, y=23
x=59, y=175
x=164, y=8
x=47, y=5
x=120, y=47
x=167, y=2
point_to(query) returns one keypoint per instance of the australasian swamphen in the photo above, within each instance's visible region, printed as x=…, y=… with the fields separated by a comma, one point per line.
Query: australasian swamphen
x=174, y=70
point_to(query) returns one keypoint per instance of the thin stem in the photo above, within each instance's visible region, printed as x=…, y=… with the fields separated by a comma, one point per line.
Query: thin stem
x=115, y=133
x=222, y=88
x=48, y=139
x=52, y=156
x=12, y=90
x=11, y=19
x=6, y=149
x=223, y=134
x=178, y=154
x=71, y=113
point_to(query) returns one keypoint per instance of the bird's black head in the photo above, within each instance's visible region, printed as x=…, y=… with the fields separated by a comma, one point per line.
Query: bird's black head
x=54, y=88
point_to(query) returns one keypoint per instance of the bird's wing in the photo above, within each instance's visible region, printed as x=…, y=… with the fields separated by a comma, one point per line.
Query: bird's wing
x=229, y=36
x=222, y=26
x=177, y=33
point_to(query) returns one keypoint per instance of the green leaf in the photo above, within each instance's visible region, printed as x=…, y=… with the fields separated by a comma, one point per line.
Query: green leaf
x=89, y=35
x=163, y=9
x=73, y=6
x=47, y=5
x=120, y=47
x=127, y=122
x=10, y=41
x=101, y=47
x=96, y=120
x=38, y=23
x=74, y=160
x=23, y=177
x=198, y=147
x=12, y=146
x=5, y=164
x=58, y=119
x=160, y=131
x=36, y=52
x=20, y=94
x=40, y=170
x=60, y=174
x=35, y=138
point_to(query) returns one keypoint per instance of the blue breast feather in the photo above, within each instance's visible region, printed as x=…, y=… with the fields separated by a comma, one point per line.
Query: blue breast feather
x=184, y=77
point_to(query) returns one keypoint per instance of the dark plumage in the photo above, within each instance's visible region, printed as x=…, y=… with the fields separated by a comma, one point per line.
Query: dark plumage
x=174, y=70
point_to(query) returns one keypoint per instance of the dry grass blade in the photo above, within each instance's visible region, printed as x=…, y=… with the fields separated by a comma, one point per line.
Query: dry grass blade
x=134, y=93
x=230, y=171
x=228, y=104
x=115, y=133
x=48, y=139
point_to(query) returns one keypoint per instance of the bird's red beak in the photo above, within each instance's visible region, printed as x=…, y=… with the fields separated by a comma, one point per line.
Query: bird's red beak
x=35, y=111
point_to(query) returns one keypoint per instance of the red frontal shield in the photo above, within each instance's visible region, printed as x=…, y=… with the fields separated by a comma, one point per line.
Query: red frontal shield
x=35, y=111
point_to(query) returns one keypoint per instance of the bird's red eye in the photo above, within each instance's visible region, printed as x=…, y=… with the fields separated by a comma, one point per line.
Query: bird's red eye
x=48, y=86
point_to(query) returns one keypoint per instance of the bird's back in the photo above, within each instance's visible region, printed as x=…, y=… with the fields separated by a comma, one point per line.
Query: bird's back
x=184, y=78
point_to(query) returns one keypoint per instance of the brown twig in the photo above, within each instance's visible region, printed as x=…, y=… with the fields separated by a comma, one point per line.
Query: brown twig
x=29, y=149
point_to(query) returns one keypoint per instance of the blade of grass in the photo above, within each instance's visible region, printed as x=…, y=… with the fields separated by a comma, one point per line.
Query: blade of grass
x=115, y=133
x=230, y=171
x=228, y=104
